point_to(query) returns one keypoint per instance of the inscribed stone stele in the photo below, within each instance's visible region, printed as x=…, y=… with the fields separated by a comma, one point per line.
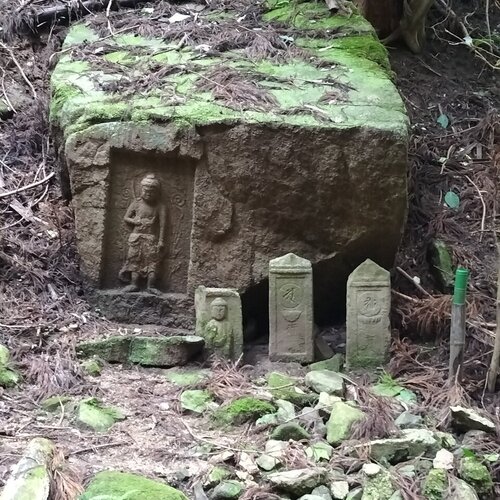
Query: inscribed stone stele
x=219, y=320
x=368, y=323
x=291, y=335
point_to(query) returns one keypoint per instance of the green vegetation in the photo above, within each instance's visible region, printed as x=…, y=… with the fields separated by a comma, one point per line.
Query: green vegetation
x=242, y=410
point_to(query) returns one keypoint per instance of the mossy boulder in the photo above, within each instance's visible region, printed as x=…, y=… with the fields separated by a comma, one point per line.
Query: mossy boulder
x=196, y=400
x=242, y=410
x=342, y=418
x=477, y=475
x=227, y=490
x=114, y=485
x=435, y=484
x=92, y=413
x=334, y=364
x=55, y=403
x=290, y=430
x=325, y=381
x=92, y=367
x=282, y=386
x=320, y=106
x=216, y=475
x=378, y=485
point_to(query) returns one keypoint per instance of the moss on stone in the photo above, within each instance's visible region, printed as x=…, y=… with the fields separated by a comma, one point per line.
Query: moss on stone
x=282, y=386
x=113, y=485
x=475, y=473
x=92, y=413
x=378, y=487
x=242, y=410
x=436, y=484
x=91, y=367
x=55, y=403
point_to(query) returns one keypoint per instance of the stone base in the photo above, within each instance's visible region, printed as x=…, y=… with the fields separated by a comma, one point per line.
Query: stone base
x=173, y=310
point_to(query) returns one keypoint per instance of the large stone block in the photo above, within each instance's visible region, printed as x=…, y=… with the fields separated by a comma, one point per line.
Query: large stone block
x=303, y=152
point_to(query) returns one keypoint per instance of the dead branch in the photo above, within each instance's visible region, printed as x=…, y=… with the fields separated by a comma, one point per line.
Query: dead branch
x=28, y=186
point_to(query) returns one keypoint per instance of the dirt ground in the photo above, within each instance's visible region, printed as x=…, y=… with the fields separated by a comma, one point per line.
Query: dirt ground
x=43, y=310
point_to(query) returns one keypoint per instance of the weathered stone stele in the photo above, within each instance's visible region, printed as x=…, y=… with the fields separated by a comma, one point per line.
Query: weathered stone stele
x=219, y=320
x=291, y=325
x=312, y=157
x=368, y=324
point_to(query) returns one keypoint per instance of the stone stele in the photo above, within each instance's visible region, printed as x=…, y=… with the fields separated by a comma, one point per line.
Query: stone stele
x=227, y=157
x=368, y=309
x=219, y=320
x=291, y=325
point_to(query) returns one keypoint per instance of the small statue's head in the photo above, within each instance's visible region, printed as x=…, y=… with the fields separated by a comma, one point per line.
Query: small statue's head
x=218, y=309
x=150, y=188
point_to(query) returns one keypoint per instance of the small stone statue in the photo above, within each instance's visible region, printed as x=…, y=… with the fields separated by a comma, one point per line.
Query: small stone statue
x=146, y=216
x=219, y=330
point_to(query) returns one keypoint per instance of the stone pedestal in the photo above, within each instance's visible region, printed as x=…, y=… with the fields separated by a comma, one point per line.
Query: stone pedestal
x=219, y=320
x=368, y=309
x=291, y=334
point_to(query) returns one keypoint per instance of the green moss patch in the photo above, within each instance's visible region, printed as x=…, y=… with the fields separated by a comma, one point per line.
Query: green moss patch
x=242, y=410
x=113, y=485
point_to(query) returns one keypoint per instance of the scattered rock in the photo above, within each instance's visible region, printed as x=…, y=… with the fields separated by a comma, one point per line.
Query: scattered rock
x=146, y=351
x=30, y=478
x=215, y=476
x=339, y=489
x=286, y=411
x=310, y=496
x=113, y=485
x=322, y=491
x=408, y=420
x=460, y=490
x=446, y=439
x=227, y=490
x=444, y=460
x=312, y=421
x=339, y=424
x=299, y=481
x=322, y=349
x=282, y=386
x=267, y=462
x=92, y=367
x=477, y=475
x=470, y=438
x=465, y=419
x=55, y=403
x=334, y=364
x=92, y=413
x=186, y=378
x=319, y=451
x=371, y=469
x=326, y=402
x=196, y=400
x=269, y=419
x=355, y=494
x=412, y=443
x=436, y=483
x=242, y=410
x=290, y=430
x=325, y=381
x=4, y=355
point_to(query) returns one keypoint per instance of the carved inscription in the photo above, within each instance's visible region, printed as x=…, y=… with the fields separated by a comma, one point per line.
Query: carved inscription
x=368, y=308
x=290, y=309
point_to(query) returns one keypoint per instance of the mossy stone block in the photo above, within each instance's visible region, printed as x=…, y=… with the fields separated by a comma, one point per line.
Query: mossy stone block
x=341, y=419
x=113, y=485
x=477, y=475
x=113, y=349
x=164, y=351
x=282, y=386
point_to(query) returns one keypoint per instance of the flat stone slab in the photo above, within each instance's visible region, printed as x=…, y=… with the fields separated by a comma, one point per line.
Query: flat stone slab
x=264, y=132
x=146, y=351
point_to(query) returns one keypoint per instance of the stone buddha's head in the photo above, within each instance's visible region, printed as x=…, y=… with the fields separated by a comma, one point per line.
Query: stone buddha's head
x=218, y=309
x=150, y=188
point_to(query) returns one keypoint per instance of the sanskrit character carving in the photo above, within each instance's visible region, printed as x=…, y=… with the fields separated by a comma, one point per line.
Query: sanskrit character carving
x=146, y=216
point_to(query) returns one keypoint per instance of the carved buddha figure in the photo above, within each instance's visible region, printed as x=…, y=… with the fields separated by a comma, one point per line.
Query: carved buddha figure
x=146, y=216
x=219, y=331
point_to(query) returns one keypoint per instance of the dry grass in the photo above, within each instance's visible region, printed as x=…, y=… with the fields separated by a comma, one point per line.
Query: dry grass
x=227, y=379
x=65, y=480
x=235, y=89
